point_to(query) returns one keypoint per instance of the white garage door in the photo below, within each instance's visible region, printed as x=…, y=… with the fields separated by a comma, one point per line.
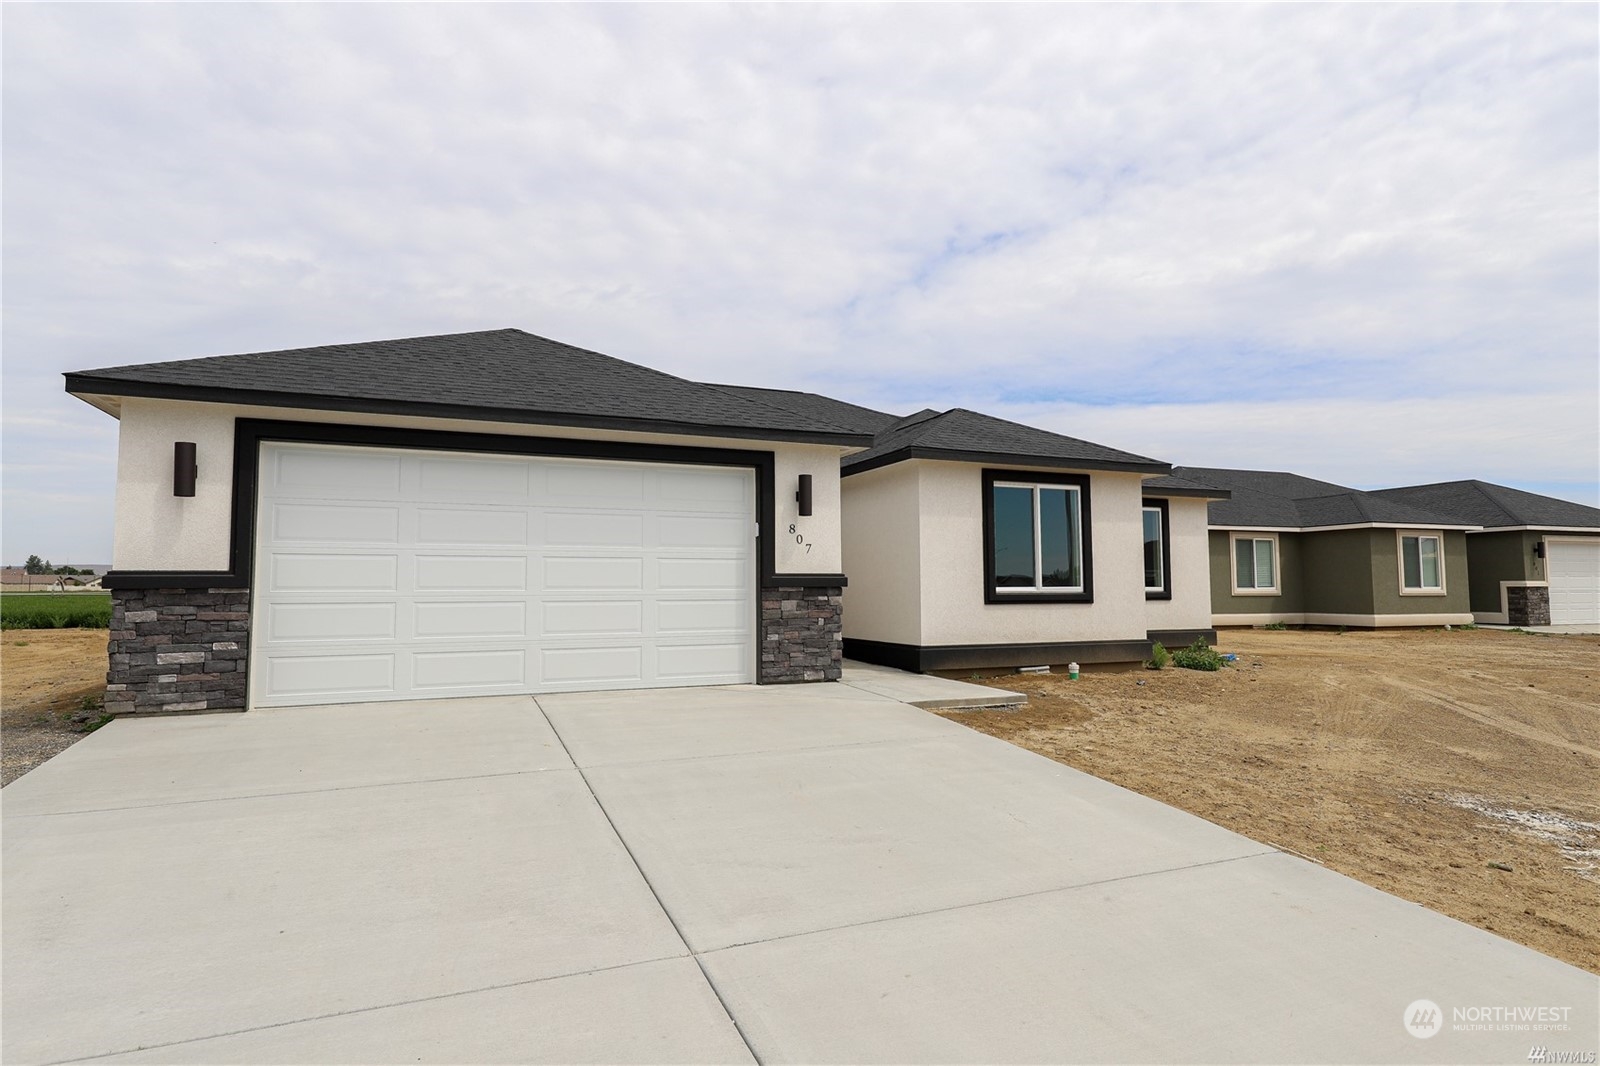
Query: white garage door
x=384, y=574
x=1574, y=574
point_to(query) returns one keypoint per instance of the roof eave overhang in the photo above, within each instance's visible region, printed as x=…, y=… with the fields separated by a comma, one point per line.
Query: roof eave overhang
x=85, y=385
x=1157, y=492
x=1002, y=459
x=1242, y=528
x=1593, y=530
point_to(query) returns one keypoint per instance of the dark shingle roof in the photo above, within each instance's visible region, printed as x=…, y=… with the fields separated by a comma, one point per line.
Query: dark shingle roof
x=1486, y=504
x=496, y=375
x=967, y=436
x=851, y=416
x=1276, y=499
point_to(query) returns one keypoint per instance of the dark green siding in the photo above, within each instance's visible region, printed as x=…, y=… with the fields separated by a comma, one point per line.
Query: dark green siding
x=1291, y=596
x=1338, y=571
x=1386, y=577
x=1496, y=557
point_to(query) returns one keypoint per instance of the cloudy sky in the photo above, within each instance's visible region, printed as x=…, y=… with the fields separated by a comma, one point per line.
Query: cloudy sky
x=1355, y=242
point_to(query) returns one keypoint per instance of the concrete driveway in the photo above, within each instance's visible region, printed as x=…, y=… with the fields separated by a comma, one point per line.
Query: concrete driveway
x=805, y=874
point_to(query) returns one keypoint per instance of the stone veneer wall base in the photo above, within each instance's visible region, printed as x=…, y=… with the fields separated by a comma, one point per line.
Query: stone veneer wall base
x=802, y=635
x=1528, y=605
x=178, y=650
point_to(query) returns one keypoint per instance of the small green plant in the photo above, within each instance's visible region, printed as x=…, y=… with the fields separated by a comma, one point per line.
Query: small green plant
x=1469, y=625
x=1343, y=630
x=1275, y=625
x=1198, y=656
x=1159, y=657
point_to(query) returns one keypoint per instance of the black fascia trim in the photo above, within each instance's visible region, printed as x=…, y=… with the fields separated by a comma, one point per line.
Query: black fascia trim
x=84, y=383
x=1011, y=458
x=1158, y=492
x=1165, y=592
x=1085, y=528
x=172, y=579
x=923, y=658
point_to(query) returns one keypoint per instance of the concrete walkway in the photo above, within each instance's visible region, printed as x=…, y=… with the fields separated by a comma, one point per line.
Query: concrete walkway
x=789, y=874
x=926, y=690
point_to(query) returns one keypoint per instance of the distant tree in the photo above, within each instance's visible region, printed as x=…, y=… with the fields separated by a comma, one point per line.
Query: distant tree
x=67, y=571
x=34, y=565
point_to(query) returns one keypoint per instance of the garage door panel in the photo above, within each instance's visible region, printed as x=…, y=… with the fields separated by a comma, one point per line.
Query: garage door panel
x=618, y=486
x=330, y=675
x=351, y=475
x=701, y=490
x=501, y=574
x=592, y=666
x=503, y=480
x=699, y=574
x=333, y=524
x=570, y=529
x=698, y=660
x=576, y=618
x=713, y=532
x=594, y=572
x=288, y=572
x=487, y=620
x=505, y=668
x=290, y=622
x=699, y=616
x=1573, y=569
x=450, y=527
x=476, y=573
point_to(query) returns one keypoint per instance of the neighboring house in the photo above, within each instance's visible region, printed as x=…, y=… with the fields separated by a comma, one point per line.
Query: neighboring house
x=973, y=542
x=470, y=514
x=1536, y=559
x=17, y=579
x=1294, y=550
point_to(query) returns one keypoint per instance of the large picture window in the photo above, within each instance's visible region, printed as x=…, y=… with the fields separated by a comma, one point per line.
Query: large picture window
x=1157, y=566
x=1421, y=563
x=1035, y=548
x=1255, y=564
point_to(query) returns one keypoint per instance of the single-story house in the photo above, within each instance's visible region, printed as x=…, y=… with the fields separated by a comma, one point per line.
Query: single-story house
x=460, y=515
x=973, y=542
x=1535, y=560
x=495, y=512
x=1298, y=551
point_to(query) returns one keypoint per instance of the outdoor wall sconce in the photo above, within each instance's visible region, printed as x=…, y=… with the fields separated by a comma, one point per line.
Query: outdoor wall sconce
x=1538, y=550
x=803, y=497
x=184, y=468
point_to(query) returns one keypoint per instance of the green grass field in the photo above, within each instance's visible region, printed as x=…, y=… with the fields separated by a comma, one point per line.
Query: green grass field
x=55, y=610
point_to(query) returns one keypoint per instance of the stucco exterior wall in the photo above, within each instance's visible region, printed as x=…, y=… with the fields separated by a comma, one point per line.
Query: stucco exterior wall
x=882, y=555
x=1337, y=570
x=1291, y=595
x=158, y=531
x=1188, y=540
x=1496, y=557
x=951, y=548
x=1387, y=598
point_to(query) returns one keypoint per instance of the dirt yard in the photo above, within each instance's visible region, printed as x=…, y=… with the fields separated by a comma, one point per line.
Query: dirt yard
x=1457, y=769
x=45, y=676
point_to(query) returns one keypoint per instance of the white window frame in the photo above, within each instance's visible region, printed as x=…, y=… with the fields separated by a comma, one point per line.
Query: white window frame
x=1233, y=564
x=1038, y=541
x=1400, y=536
x=1161, y=546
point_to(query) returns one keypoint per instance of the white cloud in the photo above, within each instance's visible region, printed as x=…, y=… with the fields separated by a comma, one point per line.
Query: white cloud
x=1275, y=216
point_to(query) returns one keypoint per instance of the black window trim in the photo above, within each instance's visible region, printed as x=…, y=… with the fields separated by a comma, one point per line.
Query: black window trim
x=1165, y=592
x=1037, y=477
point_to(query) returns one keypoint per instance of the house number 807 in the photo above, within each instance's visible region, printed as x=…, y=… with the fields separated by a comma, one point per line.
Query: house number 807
x=799, y=537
